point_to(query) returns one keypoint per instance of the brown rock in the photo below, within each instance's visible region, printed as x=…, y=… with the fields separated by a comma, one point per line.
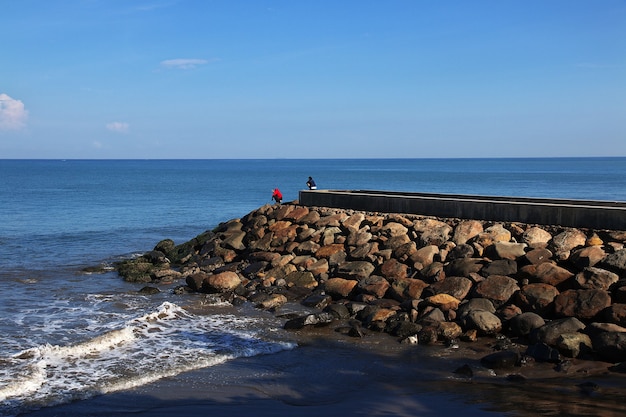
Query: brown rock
x=537, y=298
x=596, y=278
x=506, y=250
x=536, y=237
x=496, y=288
x=355, y=270
x=274, y=301
x=374, y=285
x=424, y=256
x=339, y=287
x=318, y=267
x=393, y=269
x=549, y=273
x=405, y=252
x=407, y=289
x=433, y=272
x=359, y=237
x=538, y=256
x=393, y=229
x=331, y=220
x=498, y=233
x=463, y=267
x=588, y=256
x=457, y=287
x=329, y=250
x=564, y=242
x=303, y=279
x=432, y=232
x=354, y=221
x=444, y=302
x=395, y=242
x=222, y=282
x=582, y=304
x=466, y=230
x=297, y=214
x=616, y=314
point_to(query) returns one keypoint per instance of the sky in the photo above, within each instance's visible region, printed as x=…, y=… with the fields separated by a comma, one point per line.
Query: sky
x=153, y=79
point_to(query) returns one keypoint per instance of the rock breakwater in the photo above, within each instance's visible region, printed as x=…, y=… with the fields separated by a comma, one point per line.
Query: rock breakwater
x=557, y=292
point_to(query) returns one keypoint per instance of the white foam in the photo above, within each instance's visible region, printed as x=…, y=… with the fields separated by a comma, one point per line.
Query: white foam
x=158, y=344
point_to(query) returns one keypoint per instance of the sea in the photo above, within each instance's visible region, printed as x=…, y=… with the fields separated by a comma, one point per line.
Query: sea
x=68, y=335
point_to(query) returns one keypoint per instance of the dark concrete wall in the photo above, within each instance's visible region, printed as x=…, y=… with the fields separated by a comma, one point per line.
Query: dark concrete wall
x=570, y=213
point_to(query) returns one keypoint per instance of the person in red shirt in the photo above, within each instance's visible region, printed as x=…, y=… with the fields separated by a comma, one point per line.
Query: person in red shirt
x=277, y=195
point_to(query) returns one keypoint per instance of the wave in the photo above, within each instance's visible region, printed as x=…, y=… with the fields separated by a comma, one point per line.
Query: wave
x=161, y=343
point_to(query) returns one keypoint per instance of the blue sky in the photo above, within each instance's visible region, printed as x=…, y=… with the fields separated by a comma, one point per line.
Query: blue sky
x=312, y=79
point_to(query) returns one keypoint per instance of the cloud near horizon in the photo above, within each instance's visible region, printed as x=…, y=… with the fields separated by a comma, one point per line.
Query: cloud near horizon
x=118, y=127
x=183, y=63
x=13, y=115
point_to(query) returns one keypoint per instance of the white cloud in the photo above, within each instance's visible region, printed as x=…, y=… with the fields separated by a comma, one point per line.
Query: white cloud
x=183, y=63
x=13, y=115
x=119, y=127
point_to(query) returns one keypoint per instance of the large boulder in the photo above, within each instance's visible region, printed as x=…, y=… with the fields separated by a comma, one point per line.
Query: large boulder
x=222, y=282
x=497, y=288
x=582, y=304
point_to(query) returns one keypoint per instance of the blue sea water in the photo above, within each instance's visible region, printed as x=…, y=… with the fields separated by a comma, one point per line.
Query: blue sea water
x=66, y=335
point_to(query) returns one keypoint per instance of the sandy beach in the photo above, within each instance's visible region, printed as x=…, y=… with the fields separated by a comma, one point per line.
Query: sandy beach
x=330, y=374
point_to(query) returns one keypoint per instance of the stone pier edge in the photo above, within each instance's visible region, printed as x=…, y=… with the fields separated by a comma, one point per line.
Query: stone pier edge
x=610, y=215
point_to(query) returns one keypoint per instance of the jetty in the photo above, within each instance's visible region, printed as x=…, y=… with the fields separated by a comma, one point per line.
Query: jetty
x=591, y=214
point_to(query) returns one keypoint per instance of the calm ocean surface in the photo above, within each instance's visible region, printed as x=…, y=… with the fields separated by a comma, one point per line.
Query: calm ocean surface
x=65, y=335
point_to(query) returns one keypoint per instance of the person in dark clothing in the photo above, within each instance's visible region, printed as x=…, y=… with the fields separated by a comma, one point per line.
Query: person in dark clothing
x=277, y=195
x=311, y=184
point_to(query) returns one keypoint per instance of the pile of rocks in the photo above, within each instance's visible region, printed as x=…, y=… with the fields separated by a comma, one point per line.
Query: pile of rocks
x=560, y=291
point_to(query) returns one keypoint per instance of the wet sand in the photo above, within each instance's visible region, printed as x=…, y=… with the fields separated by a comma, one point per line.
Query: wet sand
x=334, y=375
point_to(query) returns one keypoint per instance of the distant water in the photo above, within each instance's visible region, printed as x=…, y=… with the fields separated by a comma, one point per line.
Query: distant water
x=65, y=335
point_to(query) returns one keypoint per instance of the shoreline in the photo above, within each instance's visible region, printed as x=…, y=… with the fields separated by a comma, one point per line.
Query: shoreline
x=374, y=376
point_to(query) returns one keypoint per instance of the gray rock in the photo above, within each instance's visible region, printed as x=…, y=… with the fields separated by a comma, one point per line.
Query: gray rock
x=523, y=324
x=550, y=333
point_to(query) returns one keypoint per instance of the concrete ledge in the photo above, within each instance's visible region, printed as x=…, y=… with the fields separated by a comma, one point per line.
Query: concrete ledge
x=610, y=215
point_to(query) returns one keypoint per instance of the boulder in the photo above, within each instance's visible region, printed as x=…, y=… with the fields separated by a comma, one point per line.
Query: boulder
x=466, y=230
x=536, y=237
x=588, y=256
x=374, y=285
x=432, y=232
x=496, y=288
x=616, y=313
x=538, y=256
x=303, y=279
x=506, y=250
x=222, y=282
x=574, y=345
x=610, y=346
x=392, y=269
x=457, y=287
x=424, y=256
x=537, y=298
x=500, y=267
x=596, y=278
x=549, y=273
x=552, y=330
x=463, y=267
x=615, y=262
x=407, y=289
x=565, y=241
x=525, y=323
x=485, y=322
x=355, y=270
x=582, y=304
x=339, y=287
